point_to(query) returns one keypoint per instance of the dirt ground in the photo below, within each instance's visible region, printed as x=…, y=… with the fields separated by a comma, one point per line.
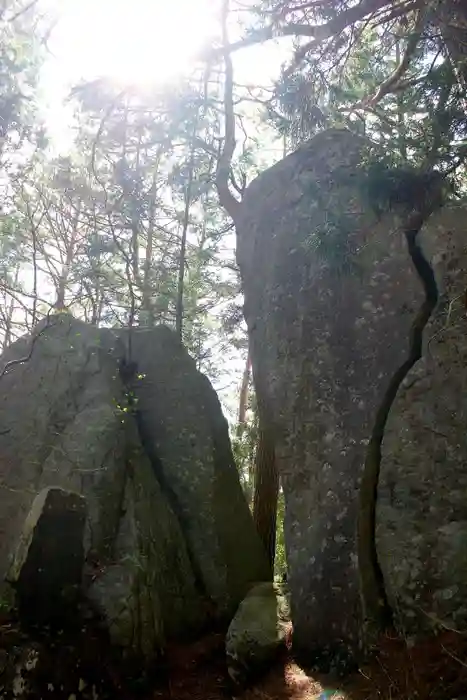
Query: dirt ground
x=432, y=670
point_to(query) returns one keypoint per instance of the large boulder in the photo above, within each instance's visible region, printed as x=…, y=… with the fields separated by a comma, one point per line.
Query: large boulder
x=186, y=436
x=61, y=426
x=330, y=295
x=65, y=423
x=422, y=496
x=258, y=632
x=68, y=420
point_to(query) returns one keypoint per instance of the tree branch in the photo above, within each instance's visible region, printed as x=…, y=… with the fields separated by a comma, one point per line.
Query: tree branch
x=392, y=81
x=226, y=198
x=26, y=358
x=319, y=32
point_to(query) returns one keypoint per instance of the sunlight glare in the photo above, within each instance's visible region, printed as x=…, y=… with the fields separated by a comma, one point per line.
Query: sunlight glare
x=136, y=42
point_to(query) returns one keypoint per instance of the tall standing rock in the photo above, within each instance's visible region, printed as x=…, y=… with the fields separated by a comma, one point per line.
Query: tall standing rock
x=330, y=294
x=422, y=496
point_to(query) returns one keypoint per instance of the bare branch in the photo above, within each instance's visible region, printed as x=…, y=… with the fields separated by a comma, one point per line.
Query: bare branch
x=26, y=358
x=22, y=11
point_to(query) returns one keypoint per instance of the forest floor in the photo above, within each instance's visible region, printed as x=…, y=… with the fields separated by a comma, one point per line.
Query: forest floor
x=432, y=670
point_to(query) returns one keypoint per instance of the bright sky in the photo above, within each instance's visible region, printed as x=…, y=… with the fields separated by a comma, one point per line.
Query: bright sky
x=137, y=42
x=129, y=40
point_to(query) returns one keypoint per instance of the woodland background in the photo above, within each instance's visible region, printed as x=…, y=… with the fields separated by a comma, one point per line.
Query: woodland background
x=125, y=228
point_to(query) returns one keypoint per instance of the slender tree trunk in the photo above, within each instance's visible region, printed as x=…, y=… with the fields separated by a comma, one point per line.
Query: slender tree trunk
x=243, y=400
x=401, y=112
x=65, y=271
x=226, y=198
x=241, y=425
x=8, y=314
x=186, y=221
x=266, y=492
x=147, y=291
x=133, y=197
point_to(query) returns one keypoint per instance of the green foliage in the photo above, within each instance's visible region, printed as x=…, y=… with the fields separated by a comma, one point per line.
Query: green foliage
x=244, y=444
x=331, y=241
x=280, y=561
x=419, y=117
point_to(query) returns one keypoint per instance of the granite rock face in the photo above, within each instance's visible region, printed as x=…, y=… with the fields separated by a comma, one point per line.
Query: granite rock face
x=422, y=497
x=183, y=430
x=330, y=295
x=157, y=481
x=336, y=302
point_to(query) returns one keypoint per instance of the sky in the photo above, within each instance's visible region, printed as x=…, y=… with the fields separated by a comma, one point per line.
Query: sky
x=134, y=42
x=142, y=43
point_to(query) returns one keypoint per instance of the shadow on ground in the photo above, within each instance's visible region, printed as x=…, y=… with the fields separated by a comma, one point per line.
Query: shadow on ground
x=435, y=669
x=432, y=670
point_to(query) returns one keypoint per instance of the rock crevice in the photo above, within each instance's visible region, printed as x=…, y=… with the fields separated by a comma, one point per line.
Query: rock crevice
x=329, y=356
x=377, y=611
x=151, y=458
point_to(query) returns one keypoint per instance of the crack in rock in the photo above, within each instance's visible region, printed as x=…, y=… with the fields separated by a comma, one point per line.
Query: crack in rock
x=377, y=611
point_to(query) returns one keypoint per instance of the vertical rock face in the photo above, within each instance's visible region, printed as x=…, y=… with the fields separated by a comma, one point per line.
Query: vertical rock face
x=422, y=497
x=186, y=436
x=168, y=539
x=330, y=294
x=147, y=591
x=60, y=426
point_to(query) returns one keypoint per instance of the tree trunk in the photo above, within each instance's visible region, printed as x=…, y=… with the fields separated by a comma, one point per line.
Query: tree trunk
x=147, y=307
x=8, y=315
x=186, y=220
x=70, y=246
x=266, y=493
x=243, y=400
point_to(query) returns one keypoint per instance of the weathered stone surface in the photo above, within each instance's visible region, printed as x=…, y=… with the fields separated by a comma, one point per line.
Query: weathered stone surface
x=258, y=631
x=325, y=341
x=148, y=593
x=18, y=665
x=69, y=401
x=60, y=426
x=422, y=496
x=165, y=508
x=77, y=663
x=47, y=568
x=186, y=437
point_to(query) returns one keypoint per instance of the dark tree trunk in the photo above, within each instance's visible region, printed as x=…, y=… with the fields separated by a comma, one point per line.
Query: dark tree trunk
x=243, y=399
x=266, y=493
